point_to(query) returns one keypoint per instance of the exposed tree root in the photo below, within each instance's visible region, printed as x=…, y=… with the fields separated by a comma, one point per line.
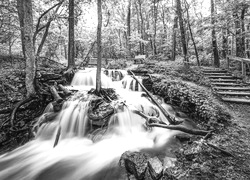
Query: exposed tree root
x=20, y=103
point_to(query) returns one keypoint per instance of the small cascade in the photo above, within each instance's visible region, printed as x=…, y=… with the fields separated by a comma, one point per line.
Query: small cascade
x=115, y=74
x=130, y=83
x=87, y=77
x=79, y=153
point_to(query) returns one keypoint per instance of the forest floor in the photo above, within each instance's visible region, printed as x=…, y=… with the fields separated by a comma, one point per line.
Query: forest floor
x=205, y=164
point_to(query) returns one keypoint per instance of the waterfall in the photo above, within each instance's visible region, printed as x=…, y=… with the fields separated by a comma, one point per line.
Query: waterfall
x=77, y=156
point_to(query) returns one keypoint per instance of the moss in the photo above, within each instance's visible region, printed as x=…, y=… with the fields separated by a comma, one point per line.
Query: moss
x=196, y=101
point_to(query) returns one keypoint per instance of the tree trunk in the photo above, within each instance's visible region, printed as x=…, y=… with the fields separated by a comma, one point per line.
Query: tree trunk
x=237, y=34
x=174, y=38
x=214, y=41
x=40, y=47
x=20, y=10
x=138, y=24
x=71, y=53
x=26, y=7
x=183, y=37
x=155, y=23
x=191, y=34
x=99, y=47
x=129, y=28
x=142, y=26
x=224, y=43
x=247, y=43
x=242, y=18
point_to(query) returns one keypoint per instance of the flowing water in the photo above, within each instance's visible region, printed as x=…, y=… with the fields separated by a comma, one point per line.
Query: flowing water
x=83, y=155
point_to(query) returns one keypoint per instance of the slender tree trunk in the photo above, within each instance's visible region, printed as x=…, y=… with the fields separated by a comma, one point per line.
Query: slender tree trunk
x=183, y=37
x=71, y=48
x=142, y=26
x=146, y=35
x=214, y=41
x=191, y=34
x=20, y=11
x=138, y=24
x=237, y=34
x=40, y=47
x=242, y=18
x=232, y=45
x=26, y=7
x=174, y=37
x=129, y=28
x=155, y=23
x=165, y=36
x=247, y=43
x=99, y=47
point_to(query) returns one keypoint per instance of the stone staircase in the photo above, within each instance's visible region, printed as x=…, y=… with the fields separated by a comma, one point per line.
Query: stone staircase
x=229, y=87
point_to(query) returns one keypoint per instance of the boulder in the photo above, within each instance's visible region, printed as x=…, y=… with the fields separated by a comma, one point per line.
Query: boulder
x=155, y=168
x=135, y=163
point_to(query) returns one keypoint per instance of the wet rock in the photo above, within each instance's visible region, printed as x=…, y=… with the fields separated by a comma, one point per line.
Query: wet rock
x=155, y=168
x=169, y=162
x=99, y=111
x=183, y=137
x=135, y=163
x=168, y=175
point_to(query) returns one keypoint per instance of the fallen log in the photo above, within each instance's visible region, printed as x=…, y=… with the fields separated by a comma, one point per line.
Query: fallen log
x=55, y=94
x=170, y=119
x=69, y=74
x=65, y=90
x=180, y=128
x=58, y=101
x=153, y=121
x=47, y=118
x=220, y=149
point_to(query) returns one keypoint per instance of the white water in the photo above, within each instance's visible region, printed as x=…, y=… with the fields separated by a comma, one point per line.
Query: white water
x=77, y=156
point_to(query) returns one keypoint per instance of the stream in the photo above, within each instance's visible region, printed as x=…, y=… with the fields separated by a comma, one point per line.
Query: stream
x=81, y=155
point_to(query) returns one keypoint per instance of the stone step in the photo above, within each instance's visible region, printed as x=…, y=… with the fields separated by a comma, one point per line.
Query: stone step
x=214, y=71
x=237, y=100
x=223, y=80
x=234, y=93
x=233, y=88
x=217, y=74
x=222, y=77
x=224, y=84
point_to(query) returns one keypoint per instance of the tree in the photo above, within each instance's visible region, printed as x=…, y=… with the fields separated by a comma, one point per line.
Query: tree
x=183, y=36
x=99, y=47
x=129, y=28
x=191, y=33
x=239, y=12
x=175, y=26
x=20, y=10
x=71, y=48
x=155, y=14
x=26, y=19
x=214, y=41
x=45, y=27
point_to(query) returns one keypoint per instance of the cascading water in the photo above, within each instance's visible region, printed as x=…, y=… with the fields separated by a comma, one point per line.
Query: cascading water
x=79, y=155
